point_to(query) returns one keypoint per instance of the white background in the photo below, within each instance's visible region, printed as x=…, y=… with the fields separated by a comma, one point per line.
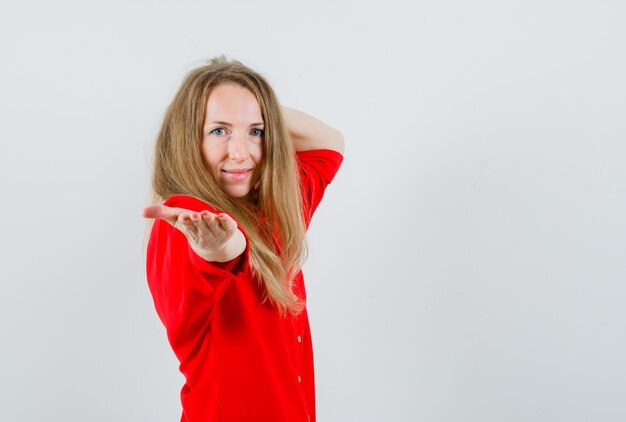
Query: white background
x=467, y=263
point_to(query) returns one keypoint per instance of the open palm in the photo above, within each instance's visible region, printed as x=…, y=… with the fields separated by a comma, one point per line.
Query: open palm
x=208, y=234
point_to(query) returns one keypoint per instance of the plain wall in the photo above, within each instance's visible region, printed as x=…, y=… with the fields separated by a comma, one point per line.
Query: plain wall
x=467, y=263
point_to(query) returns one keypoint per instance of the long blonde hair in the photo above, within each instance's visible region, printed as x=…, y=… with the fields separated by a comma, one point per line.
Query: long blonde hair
x=179, y=168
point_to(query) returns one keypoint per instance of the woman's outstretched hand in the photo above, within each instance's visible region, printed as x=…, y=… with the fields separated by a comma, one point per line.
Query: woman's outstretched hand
x=215, y=237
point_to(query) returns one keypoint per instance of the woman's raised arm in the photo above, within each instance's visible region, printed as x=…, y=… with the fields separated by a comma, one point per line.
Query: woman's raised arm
x=308, y=133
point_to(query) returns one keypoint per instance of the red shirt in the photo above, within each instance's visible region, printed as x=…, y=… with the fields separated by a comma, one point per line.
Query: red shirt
x=241, y=360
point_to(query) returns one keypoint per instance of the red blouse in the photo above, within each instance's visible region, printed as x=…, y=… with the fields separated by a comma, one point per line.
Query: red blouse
x=241, y=360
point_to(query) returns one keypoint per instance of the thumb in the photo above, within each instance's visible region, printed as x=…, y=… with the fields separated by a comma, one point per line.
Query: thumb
x=161, y=211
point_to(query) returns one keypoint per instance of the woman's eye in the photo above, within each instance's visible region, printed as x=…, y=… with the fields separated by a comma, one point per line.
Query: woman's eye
x=218, y=131
x=257, y=132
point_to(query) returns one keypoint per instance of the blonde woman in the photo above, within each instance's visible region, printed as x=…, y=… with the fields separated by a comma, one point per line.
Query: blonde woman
x=236, y=180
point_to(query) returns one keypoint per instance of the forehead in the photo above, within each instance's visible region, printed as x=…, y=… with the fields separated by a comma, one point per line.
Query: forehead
x=234, y=104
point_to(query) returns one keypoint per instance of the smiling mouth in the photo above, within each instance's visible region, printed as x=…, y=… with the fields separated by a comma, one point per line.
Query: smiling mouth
x=237, y=175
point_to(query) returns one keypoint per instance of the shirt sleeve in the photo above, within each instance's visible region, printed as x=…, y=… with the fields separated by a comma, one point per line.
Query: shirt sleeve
x=317, y=170
x=182, y=283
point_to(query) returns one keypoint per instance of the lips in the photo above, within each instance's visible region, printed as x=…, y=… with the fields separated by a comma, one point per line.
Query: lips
x=237, y=174
x=237, y=170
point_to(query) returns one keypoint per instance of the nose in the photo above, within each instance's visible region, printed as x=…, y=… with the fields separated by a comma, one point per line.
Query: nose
x=238, y=148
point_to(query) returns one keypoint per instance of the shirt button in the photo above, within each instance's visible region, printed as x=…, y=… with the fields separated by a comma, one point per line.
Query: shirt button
x=299, y=379
x=299, y=339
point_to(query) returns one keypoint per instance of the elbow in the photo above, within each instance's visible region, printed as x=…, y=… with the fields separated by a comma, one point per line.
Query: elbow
x=338, y=142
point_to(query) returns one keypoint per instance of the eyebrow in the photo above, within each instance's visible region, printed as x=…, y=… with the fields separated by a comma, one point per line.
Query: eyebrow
x=229, y=124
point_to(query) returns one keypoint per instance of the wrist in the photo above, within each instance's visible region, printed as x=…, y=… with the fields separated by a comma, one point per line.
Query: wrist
x=228, y=251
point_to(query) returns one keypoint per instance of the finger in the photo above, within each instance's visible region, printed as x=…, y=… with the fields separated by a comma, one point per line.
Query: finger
x=169, y=214
x=153, y=211
x=163, y=212
x=226, y=222
x=207, y=215
x=185, y=224
x=207, y=212
x=210, y=220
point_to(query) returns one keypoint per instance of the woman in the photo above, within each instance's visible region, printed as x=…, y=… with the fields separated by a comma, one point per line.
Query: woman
x=239, y=178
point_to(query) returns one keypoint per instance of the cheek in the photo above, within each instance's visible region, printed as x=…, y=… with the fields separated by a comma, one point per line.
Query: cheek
x=211, y=154
x=256, y=151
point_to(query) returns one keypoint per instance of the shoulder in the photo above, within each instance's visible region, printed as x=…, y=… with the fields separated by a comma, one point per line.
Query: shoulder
x=324, y=154
x=325, y=162
x=317, y=170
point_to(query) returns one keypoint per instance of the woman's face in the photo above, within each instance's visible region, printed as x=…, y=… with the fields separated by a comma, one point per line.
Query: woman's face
x=232, y=143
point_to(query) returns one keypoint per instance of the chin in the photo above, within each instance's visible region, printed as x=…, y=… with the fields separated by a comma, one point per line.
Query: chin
x=238, y=194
